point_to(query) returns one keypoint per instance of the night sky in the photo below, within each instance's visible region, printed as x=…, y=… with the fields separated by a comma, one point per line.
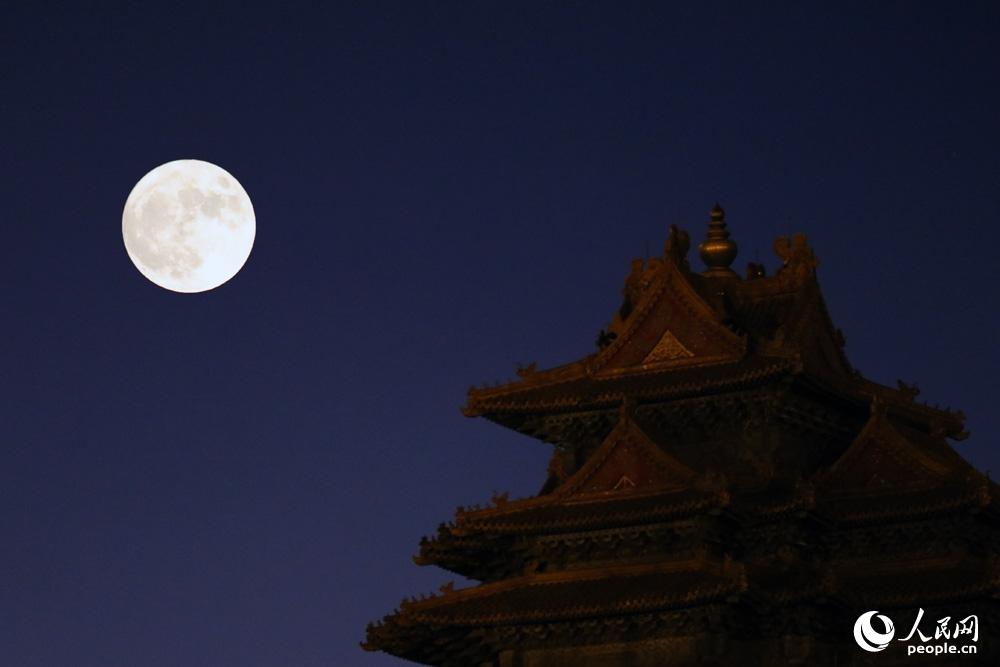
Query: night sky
x=443, y=191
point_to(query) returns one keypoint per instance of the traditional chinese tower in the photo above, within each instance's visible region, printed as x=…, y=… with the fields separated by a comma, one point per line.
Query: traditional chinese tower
x=725, y=489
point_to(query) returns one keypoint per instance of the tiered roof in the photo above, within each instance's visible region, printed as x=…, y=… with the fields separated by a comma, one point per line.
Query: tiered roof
x=649, y=520
x=680, y=333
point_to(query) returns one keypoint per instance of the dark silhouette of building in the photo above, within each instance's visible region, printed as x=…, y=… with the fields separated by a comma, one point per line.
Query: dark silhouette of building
x=725, y=489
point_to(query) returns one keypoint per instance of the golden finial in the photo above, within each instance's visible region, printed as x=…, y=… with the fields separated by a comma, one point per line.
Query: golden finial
x=717, y=251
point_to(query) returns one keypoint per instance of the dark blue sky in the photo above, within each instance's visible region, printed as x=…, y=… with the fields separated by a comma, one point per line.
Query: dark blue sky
x=442, y=190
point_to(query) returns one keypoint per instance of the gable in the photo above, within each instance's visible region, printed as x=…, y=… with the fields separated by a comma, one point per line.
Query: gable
x=881, y=459
x=627, y=461
x=670, y=326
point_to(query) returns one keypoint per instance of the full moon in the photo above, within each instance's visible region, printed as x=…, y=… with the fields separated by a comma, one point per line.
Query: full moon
x=188, y=226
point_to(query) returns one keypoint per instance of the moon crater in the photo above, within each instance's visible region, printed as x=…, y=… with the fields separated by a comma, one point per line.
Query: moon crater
x=188, y=226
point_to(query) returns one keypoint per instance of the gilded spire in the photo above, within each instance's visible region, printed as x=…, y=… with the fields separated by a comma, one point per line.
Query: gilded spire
x=717, y=251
